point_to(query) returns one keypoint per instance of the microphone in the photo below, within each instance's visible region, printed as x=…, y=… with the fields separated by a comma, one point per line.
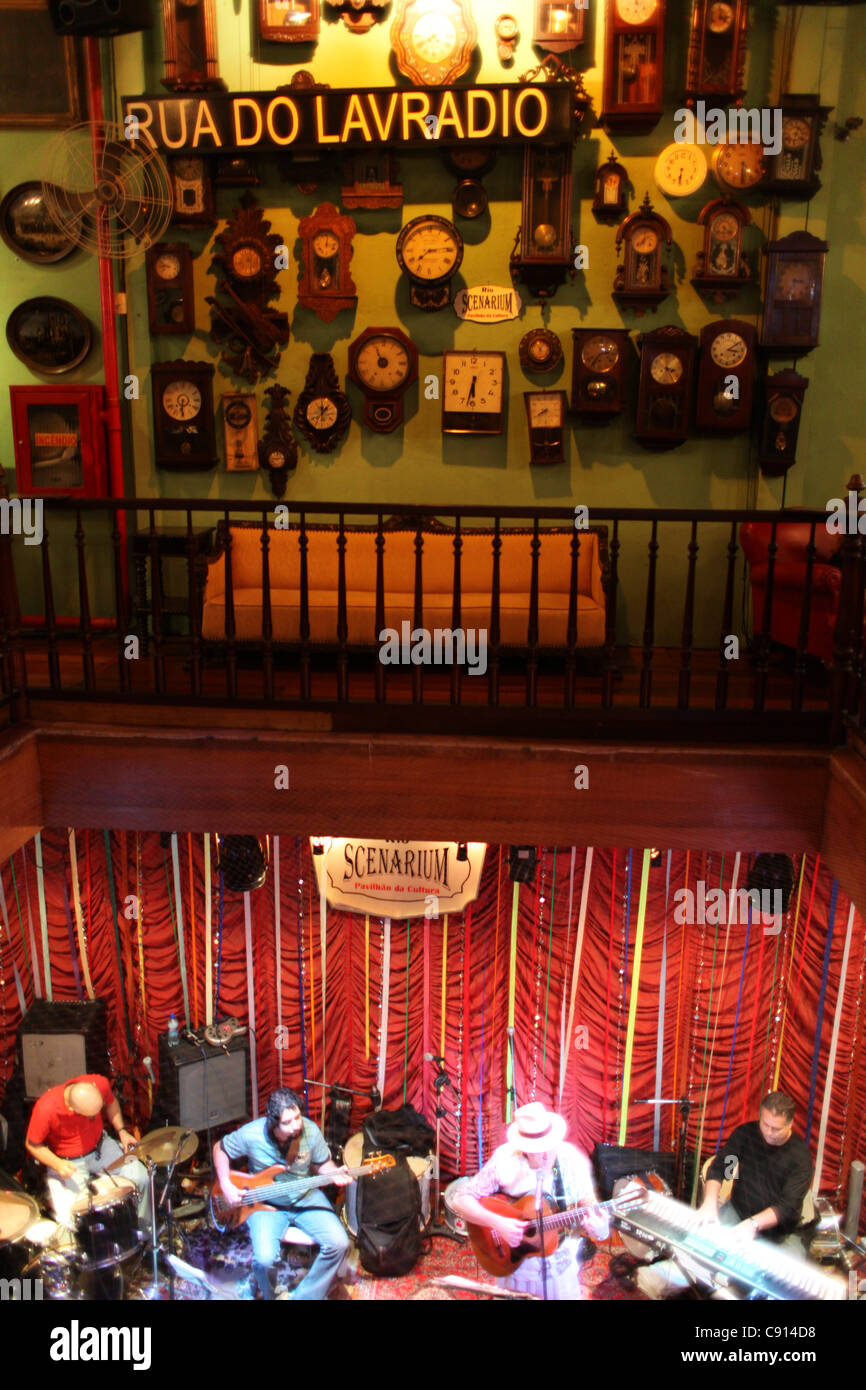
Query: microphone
x=148, y=1067
x=431, y=1057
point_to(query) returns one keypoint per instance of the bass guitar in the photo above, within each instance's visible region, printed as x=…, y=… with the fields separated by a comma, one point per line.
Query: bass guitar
x=259, y=1190
x=497, y=1257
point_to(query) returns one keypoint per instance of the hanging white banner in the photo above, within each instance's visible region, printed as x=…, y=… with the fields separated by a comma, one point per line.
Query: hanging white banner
x=398, y=878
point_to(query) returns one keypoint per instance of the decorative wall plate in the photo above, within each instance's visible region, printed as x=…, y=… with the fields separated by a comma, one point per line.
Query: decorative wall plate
x=49, y=335
x=27, y=229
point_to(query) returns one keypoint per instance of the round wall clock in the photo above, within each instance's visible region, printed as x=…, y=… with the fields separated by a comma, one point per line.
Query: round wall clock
x=429, y=250
x=539, y=350
x=433, y=40
x=738, y=167
x=49, y=335
x=469, y=199
x=680, y=170
x=28, y=230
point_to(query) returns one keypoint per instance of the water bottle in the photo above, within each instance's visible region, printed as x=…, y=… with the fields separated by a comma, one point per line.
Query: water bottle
x=173, y=1032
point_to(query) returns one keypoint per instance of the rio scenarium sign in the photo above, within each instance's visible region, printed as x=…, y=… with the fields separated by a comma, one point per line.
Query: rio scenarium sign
x=397, y=878
x=307, y=118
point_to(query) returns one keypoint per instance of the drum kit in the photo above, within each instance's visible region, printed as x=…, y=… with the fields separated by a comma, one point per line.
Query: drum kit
x=94, y=1255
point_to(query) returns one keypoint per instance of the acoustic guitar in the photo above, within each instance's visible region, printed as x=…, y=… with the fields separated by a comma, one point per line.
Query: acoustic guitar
x=260, y=1190
x=496, y=1257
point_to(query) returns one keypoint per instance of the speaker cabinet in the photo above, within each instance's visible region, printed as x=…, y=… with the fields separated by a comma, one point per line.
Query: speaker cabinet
x=60, y=1040
x=202, y=1087
x=103, y=17
x=611, y=1162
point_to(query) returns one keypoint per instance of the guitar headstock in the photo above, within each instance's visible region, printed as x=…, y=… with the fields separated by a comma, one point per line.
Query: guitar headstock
x=377, y=1163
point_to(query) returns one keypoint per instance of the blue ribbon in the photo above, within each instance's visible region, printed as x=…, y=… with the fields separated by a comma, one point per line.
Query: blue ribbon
x=825, y=972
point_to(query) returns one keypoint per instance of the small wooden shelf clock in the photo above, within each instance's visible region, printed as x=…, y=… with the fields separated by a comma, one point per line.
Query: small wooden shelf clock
x=726, y=376
x=792, y=300
x=325, y=284
x=641, y=280
x=793, y=172
x=598, y=374
x=240, y=431
x=632, y=97
x=559, y=25
x=722, y=268
x=665, y=387
x=473, y=392
x=383, y=363
x=183, y=415
x=545, y=419
x=289, y=21
x=170, y=301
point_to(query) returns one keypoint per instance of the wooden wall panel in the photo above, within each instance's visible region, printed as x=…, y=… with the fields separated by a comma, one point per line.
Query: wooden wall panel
x=20, y=791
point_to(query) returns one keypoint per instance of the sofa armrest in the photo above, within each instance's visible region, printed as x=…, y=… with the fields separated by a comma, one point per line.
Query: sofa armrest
x=790, y=574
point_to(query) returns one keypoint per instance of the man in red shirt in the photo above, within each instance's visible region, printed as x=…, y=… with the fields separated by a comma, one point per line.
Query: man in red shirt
x=66, y=1135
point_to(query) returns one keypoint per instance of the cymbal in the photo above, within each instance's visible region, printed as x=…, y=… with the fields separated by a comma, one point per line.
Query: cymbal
x=162, y=1146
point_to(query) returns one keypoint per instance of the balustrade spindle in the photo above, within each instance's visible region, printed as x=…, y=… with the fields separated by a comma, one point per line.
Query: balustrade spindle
x=610, y=621
x=231, y=646
x=84, y=608
x=571, y=628
x=267, y=626
x=805, y=617
x=417, y=669
x=304, y=616
x=688, y=623
x=51, y=617
x=381, y=690
x=156, y=605
x=456, y=609
x=495, y=623
x=194, y=607
x=723, y=677
x=646, y=675
x=342, y=616
x=120, y=602
x=762, y=654
x=532, y=633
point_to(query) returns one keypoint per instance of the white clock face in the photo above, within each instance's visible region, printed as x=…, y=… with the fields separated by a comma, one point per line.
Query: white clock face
x=321, y=413
x=473, y=381
x=545, y=410
x=430, y=250
x=728, y=350
x=434, y=37
x=382, y=363
x=600, y=353
x=636, y=11
x=666, y=368
x=168, y=266
x=681, y=170
x=181, y=400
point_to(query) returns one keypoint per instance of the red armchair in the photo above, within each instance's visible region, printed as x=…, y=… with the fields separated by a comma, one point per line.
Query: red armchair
x=789, y=583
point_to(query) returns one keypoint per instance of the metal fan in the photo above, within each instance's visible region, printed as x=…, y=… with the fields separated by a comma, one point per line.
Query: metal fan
x=110, y=195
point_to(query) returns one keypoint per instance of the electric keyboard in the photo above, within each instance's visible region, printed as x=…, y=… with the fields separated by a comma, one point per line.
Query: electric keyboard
x=761, y=1268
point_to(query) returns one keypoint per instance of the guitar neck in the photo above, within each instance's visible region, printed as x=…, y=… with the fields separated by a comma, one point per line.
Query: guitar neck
x=572, y=1216
x=252, y=1195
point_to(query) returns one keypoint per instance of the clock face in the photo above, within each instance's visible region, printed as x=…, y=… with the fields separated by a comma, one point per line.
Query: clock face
x=507, y=27
x=728, y=350
x=681, y=170
x=276, y=459
x=321, y=413
x=600, y=353
x=738, y=166
x=636, y=11
x=181, y=400
x=325, y=245
x=724, y=227
x=795, y=133
x=469, y=160
x=783, y=409
x=238, y=414
x=247, y=262
x=666, y=368
x=383, y=363
x=473, y=382
x=645, y=240
x=429, y=249
x=545, y=410
x=433, y=37
x=795, y=282
x=167, y=266
x=720, y=17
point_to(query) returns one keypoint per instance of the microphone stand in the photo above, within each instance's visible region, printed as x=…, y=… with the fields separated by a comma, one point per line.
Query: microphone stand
x=437, y=1227
x=539, y=1218
x=165, y=1201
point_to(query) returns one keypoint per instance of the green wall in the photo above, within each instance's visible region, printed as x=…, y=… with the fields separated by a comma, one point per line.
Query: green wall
x=605, y=466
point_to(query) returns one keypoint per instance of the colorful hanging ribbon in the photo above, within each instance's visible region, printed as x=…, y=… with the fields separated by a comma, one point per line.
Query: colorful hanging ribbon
x=444, y=984
x=635, y=987
x=278, y=957
x=301, y=979
x=43, y=916
x=79, y=917
x=660, y=1026
x=822, y=994
x=383, y=1026
x=367, y=986
x=578, y=956
x=192, y=933
x=33, y=951
x=208, y=937
x=30, y=972
x=120, y=974
x=22, y=1003
x=323, y=948
x=831, y=1060
x=563, y=1032
x=181, y=947
x=251, y=1006
x=512, y=990
x=70, y=932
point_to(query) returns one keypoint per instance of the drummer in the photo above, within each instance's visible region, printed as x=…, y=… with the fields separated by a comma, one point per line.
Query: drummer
x=66, y=1135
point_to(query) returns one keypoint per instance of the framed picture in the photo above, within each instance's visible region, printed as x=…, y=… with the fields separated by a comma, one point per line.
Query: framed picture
x=59, y=440
x=27, y=229
x=49, y=335
x=40, y=75
x=289, y=21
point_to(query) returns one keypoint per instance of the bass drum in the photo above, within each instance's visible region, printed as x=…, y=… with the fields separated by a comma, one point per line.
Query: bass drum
x=638, y=1248
x=353, y=1157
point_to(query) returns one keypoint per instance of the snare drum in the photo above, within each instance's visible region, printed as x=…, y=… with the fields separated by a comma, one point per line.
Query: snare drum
x=18, y=1213
x=105, y=1223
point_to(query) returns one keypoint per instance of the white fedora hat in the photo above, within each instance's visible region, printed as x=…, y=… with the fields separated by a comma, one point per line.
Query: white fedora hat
x=535, y=1130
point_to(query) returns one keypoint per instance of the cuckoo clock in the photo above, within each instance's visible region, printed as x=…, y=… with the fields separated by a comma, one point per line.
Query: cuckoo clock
x=183, y=415
x=278, y=449
x=247, y=263
x=289, y=21
x=667, y=358
x=792, y=299
x=717, y=50
x=190, y=46
x=726, y=375
x=383, y=363
x=641, y=279
x=598, y=374
x=323, y=413
x=793, y=172
x=610, y=199
x=544, y=252
x=325, y=285
x=633, y=64
x=721, y=267
x=780, y=422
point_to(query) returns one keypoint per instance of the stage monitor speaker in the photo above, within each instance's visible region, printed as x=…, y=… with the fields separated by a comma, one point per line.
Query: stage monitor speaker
x=204, y=1087
x=62, y=1039
x=103, y=17
x=611, y=1162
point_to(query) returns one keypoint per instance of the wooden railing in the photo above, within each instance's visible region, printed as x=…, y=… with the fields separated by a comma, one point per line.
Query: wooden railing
x=562, y=694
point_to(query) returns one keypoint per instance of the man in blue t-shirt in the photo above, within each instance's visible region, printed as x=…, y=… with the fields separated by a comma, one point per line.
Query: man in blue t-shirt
x=284, y=1137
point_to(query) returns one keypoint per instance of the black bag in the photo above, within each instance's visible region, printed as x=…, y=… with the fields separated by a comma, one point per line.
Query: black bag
x=388, y=1215
x=392, y=1130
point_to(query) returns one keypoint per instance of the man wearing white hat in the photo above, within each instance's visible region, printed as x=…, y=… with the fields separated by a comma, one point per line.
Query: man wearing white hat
x=535, y=1147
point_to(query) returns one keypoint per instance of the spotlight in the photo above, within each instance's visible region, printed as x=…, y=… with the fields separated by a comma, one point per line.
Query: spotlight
x=771, y=873
x=462, y=853
x=522, y=863
x=655, y=858
x=243, y=862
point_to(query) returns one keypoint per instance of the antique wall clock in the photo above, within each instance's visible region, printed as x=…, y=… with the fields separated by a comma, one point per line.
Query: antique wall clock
x=610, y=199
x=559, y=25
x=726, y=376
x=170, y=300
x=680, y=170
x=240, y=431
x=190, y=46
x=278, y=448
x=641, y=280
x=539, y=350
x=322, y=412
x=183, y=415
x=473, y=392
x=507, y=32
x=433, y=40
x=667, y=357
x=429, y=251
x=469, y=161
x=544, y=253
x=359, y=15
x=780, y=422
x=633, y=64
x=469, y=199
x=598, y=373
x=721, y=267
x=246, y=257
x=717, y=50
x=193, y=192
x=289, y=21
x=738, y=168
x=371, y=181
x=545, y=418
x=383, y=363
x=793, y=172
x=792, y=300
x=325, y=285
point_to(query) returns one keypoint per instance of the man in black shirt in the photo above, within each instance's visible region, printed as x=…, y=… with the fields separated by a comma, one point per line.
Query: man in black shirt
x=771, y=1170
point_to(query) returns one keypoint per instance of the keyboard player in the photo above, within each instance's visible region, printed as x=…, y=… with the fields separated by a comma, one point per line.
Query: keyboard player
x=773, y=1171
